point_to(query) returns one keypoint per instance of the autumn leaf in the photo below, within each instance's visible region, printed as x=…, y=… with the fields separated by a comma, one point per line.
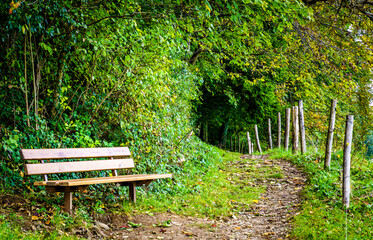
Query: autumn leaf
x=189, y=234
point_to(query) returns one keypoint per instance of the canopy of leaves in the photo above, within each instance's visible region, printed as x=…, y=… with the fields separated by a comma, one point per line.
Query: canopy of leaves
x=146, y=73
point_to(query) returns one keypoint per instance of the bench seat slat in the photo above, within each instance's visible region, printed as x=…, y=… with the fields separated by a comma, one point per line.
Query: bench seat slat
x=78, y=166
x=115, y=179
x=69, y=153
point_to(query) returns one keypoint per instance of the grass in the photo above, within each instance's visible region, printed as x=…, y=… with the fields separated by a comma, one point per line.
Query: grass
x=10, y=231
x=216, y=185
x=323, y=215
x=221, y=191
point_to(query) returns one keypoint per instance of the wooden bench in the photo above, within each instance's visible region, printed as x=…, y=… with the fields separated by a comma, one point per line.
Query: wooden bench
x=95, y=159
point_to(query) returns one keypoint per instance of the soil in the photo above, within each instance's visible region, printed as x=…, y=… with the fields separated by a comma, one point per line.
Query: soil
x=269, y=218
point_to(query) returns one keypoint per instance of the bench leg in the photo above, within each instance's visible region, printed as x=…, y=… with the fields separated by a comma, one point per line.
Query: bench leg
x=68, y=201
x=132, y=191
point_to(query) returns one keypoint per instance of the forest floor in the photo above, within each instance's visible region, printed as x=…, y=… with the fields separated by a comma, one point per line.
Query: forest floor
x=268, y=218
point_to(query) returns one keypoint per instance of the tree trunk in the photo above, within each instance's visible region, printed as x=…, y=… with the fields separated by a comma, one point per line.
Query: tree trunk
x=224, y=133
x=26, y=90
x=35, y=84
x=195, y=55
x=58, y=83
x=231, y=146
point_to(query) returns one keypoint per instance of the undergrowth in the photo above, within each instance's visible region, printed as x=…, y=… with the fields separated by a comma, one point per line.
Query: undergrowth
x=323, y=215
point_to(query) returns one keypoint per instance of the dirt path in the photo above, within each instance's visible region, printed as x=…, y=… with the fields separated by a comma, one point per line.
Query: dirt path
x=269, y=218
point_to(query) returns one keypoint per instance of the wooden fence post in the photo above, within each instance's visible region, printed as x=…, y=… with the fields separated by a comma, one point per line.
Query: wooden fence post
x=257, y=138
x=347, y=160
x=278, y=130
x=302, y=130
x=269, y=134
x=287, y=128
x=248, y=142
x=295, y=130
x=329, y=140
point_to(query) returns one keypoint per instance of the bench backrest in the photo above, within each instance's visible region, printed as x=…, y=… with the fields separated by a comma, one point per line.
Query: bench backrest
x=116, y=158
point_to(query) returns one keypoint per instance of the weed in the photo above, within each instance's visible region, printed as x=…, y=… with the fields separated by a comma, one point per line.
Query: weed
x=276, y=175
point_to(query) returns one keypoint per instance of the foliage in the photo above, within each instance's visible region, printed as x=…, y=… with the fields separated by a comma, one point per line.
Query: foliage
x=146, y=74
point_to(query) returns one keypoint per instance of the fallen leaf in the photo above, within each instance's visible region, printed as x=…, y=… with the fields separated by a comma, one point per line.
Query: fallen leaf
x=34, y=218
x=162, y=231
x=237, y=228
x=189, y=234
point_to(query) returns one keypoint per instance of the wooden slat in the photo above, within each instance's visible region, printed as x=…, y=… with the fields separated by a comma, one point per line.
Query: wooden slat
x=54, y=189
x=69, y=153
x=89, y=181
x=78, y=166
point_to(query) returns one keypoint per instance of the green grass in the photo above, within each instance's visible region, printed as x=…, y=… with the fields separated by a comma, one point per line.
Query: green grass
x=322, y=214
x=9, y=231
x=220, y=191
